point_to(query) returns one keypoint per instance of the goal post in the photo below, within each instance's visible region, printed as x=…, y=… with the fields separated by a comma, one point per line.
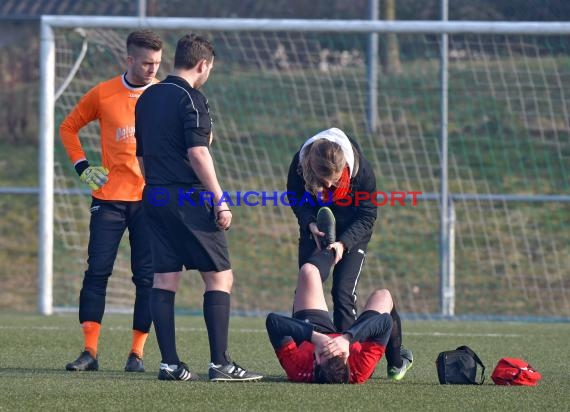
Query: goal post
x=46, y=170
x=293, y=78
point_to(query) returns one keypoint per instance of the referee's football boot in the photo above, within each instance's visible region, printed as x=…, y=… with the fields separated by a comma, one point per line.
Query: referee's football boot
x=326, y=223
x=231, y=372
x=134, y=363
x=85, y=362
x=178, y=372
x=397, y=374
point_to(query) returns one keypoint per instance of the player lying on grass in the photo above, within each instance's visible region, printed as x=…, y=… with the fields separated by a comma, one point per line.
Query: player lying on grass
x=398, y=357
x=308, y=346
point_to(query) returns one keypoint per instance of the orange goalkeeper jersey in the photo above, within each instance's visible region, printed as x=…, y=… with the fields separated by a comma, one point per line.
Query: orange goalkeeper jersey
x=112, y=103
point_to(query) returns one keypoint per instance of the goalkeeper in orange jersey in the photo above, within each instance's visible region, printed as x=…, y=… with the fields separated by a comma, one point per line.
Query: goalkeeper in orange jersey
x=117, y=187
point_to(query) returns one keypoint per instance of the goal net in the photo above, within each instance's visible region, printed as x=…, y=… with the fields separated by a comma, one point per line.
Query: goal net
x=509, y=138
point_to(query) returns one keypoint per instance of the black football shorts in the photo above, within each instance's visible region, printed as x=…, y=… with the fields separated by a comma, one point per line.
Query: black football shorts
x=320, y=319
x=183, y=233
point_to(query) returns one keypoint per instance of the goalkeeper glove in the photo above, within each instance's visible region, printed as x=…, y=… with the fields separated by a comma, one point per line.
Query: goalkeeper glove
x=92, y=176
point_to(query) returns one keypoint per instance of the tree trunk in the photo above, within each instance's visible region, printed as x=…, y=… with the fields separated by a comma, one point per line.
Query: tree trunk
x=391, y=59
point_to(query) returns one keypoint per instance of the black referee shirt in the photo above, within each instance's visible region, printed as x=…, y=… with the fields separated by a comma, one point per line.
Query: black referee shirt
x=170, y=117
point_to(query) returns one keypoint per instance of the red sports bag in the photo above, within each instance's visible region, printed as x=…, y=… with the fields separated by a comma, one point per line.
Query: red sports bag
x=513, y=371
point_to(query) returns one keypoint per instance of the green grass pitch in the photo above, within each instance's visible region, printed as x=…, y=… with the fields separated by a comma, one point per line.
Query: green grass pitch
x=34, y=350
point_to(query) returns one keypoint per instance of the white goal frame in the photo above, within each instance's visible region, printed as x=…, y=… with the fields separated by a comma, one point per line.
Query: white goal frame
x=47, y=106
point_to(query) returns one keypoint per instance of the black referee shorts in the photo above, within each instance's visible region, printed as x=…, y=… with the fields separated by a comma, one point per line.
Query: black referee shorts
x=183, y=233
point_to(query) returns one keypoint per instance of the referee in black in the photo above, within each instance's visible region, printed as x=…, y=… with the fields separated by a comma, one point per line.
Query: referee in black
x=174, y=133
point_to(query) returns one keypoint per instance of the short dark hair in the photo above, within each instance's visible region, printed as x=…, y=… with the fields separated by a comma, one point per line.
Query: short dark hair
x=334, y=370
x=145, y=39
x=190, y=49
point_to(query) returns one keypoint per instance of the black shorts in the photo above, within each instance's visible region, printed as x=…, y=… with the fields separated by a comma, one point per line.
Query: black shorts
x=320, y=319
x=183, y=231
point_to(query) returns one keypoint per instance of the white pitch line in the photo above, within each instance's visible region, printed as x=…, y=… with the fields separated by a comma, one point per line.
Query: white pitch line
x=242, y=330
x=487, y=335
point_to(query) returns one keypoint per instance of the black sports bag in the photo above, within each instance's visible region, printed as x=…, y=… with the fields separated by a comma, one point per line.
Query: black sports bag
x=459, y=366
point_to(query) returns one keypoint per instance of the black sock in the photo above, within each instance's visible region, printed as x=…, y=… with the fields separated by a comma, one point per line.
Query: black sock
x=162, y=310
x=395, y=342
x=142, y=318
x=217, y=317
